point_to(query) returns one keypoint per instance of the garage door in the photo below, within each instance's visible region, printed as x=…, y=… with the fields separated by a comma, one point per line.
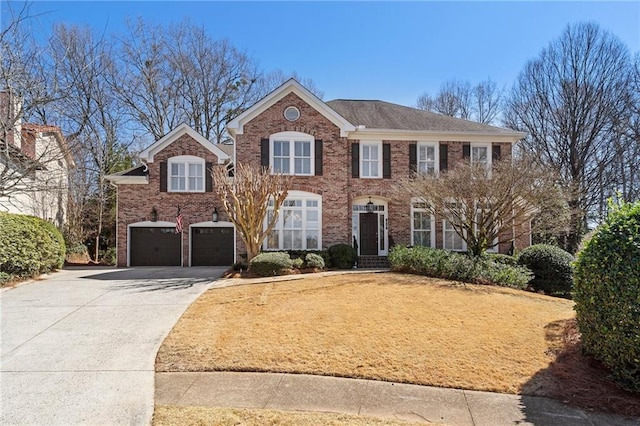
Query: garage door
x=212, y=246
x=155, y=247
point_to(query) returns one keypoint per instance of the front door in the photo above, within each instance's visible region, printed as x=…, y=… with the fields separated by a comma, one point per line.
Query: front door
x=368, y=234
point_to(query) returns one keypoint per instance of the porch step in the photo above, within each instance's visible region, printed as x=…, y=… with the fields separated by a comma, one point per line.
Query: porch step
x=373, y=262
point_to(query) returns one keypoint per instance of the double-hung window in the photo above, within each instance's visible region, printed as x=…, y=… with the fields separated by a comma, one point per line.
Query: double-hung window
x=451, y=240
x=186, y=174
x=422, y=226
x=371, y=159
x=298, y=224
x=481, y=155
x=292, y=153
x=427, y=154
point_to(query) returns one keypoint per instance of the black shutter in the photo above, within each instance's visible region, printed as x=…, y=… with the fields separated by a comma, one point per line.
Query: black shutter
x=386, y=161
x=318, y=159
x=208, y=179
x=264, y=152
x=355, y=160
x=444, y=157
x=495, y=152
x=163, y=176
x=466, y=151
x=413, y=158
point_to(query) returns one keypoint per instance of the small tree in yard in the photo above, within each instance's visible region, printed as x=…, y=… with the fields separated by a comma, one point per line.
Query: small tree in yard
x=246, y=197
x=482, y=206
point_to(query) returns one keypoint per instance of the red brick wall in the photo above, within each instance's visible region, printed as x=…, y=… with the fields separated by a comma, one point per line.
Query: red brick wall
x=135, y=202
x=337, y=187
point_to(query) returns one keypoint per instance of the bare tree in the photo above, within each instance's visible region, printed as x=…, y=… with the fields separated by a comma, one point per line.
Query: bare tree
x=455, y=98
x=485, y=208
x=94, y=116
x=487, y=101
x=146, y=82
x=23, y=90
x=275, y=78
x=246, y=198
x=181, y=74
x=567, y=100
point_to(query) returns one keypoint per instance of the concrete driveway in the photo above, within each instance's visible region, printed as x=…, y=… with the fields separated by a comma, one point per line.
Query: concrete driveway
x=79, y=347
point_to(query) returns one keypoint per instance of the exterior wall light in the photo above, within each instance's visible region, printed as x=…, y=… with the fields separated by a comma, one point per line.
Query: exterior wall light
x=214, y=215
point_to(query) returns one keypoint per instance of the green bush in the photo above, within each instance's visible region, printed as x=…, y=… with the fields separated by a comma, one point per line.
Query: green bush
x=109, y=256
x=504, y=275
x=270, y=264
x=552, y=269
x=342, y=256
x=607, y=295
x=298, y=263
x=302, y=254
x=314, y=261
x=29, y=246
x=455, y=266
x=504, y=259
x=4, y=278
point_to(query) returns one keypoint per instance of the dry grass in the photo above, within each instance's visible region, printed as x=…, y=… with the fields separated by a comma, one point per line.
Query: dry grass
x=171, y=416
x=391, y=327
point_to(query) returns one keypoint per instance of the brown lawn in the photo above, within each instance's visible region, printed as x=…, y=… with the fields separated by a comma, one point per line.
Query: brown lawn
x=391, y=327
x=170, y=416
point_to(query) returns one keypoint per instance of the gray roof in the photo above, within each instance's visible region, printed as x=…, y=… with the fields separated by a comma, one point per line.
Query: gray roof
x=385, y=115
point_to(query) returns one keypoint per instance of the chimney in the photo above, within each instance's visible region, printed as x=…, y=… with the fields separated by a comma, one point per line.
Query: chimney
x=10, y=117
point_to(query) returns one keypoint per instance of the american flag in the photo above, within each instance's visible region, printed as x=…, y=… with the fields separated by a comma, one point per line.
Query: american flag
x=179, y=222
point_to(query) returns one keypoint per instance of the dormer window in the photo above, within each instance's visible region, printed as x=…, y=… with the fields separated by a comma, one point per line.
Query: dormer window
x=186, y=174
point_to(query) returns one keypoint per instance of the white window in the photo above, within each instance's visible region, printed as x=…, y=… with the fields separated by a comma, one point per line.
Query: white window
x=451, y=240
x=427, y=155
x=186, y=174
x=371, y=159
x=292, y=153
x=298, y=224
x=481, y=155
x=422, y=226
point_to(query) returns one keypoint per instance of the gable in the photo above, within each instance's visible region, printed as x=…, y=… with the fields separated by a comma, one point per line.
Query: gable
x=236, y=126
x=149, y=153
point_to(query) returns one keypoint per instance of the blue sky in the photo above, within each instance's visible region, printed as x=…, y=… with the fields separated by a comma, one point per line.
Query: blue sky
x=392, y=51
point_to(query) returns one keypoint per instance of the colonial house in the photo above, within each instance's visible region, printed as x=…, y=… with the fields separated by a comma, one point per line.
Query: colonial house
x=343, y=155
x=34, y=166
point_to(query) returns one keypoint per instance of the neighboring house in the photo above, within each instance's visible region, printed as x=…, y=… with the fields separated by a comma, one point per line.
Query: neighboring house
x=34, y=166
x=344, y=156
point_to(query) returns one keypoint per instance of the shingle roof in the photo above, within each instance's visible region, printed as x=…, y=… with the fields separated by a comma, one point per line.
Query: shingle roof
x=385, y=115
x=140, y=170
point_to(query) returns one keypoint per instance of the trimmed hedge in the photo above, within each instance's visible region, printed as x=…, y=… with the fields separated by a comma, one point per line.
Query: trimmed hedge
x=29, y=246
x=302, y=254
x=607, y=295
x=455, y=266
x=314, y=261
x=270, y=264
x=552, y=269
x=342, y=256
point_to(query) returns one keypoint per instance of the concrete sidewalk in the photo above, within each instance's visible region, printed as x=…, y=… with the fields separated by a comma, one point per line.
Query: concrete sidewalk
x=298, y=392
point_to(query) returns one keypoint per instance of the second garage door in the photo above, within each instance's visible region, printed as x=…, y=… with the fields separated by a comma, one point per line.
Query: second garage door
x=212, y=246
x=155, y=247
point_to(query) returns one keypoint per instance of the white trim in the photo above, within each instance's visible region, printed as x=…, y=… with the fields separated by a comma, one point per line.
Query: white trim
x=211, y=224
x=128, y=180
x=436, y=155
x=186, y=160
x=292, y=138
x=416, y=135
x=464, y=243
x=236, y=126
x=150, y=224
x=370, y=143
x=432, y=223
x=148, y=154
x=486, y=145
x=384, y=215
x=304, y=196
